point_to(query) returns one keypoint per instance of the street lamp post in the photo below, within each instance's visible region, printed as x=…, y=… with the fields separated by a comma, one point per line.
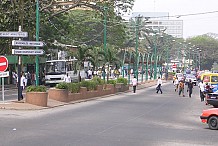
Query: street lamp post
x=105, y=37
x=37, y=39
x=136, y=47
x=199, y=67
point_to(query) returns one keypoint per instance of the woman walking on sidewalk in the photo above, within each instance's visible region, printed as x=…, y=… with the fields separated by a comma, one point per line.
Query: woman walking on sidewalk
x=159, y=84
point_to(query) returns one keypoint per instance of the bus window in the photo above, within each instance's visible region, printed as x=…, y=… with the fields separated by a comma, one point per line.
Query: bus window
x=214, y=78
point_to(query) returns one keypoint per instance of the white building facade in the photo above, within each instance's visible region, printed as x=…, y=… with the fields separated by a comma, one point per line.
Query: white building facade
x=161, y=21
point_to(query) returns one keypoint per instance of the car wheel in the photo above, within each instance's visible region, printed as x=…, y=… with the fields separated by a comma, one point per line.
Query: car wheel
x=213, y=122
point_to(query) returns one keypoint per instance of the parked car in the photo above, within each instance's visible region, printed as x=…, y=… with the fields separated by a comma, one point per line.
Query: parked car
x=212, y=99
x=192, y=78
x=210, y=116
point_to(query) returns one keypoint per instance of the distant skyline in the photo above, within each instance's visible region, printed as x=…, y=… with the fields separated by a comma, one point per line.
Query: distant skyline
x=193, y=25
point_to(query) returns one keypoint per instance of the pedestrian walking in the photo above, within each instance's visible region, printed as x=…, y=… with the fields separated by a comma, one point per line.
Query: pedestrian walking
x=201, y=86
x=22, y=84
x=190, y=87
x=181, y=88
x=176, y=84
x=67, y=78
x=159, y=84
x=134, y=84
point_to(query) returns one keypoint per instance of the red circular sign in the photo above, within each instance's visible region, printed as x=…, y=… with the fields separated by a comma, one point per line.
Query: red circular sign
x=174, y=65
x=3, y=63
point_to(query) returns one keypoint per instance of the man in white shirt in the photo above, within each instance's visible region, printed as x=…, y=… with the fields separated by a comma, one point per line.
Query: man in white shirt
x=134, y=84
x=67, y=78
x=202, y=86
x=22, y=84
x=159, y=84
x=89, y=74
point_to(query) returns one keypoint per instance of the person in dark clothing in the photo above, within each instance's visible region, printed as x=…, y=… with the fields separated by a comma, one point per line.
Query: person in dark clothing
x=190, y=87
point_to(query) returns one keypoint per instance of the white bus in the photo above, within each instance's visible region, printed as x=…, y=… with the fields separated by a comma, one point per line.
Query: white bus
x=55, y=70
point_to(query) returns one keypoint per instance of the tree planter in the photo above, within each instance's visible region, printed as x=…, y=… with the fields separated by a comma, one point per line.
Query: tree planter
x=37, y=98
x=58, y=94
x=111, y=88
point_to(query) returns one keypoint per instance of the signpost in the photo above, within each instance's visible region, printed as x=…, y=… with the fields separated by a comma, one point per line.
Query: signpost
x=13, y=34
x=27, y=52
x=27, y=43
x=3, y=68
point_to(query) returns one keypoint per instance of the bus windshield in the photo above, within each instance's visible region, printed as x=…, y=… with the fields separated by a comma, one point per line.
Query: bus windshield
x=56, y=67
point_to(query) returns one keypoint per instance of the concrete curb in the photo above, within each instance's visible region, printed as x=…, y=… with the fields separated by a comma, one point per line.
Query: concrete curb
x=21, y=105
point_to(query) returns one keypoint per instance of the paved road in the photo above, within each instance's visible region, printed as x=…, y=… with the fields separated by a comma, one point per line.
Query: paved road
x=128, y=119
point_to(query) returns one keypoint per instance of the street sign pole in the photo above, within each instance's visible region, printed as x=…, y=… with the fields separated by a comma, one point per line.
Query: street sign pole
x=37, y=39
x=19, y=72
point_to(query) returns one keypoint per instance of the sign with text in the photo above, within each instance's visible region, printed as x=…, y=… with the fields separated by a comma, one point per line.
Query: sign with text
x=27, y=52
x=3, y=63
x=13, y=34
x=4, y=74
x=27, y=43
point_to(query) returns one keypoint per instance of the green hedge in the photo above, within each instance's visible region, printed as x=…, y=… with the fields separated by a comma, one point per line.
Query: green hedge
x=122, y=80
x=90, y=85
x=36, y=89
x=74, y=87
x=112, y=82
x=62, y=85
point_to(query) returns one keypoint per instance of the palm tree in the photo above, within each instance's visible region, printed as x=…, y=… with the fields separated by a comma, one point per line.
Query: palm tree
x=110, y=58
x=80, y=55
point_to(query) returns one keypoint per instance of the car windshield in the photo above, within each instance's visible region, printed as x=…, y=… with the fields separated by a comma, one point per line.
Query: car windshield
x=179, y=75
x=190, y=76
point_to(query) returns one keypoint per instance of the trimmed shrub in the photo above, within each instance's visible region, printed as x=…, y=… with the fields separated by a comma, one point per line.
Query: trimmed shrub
x=122, y=80
x=90, y=85
x=112, y=82
x=74, y=87
x=36, y=89
x=62, y=86
x=98, y=80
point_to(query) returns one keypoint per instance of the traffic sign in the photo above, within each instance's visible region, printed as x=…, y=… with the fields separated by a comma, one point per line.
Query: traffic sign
x=4, y=74
x=13, y=34
x=27, y=52
x=27, y=43
x=3, y=63
x=174, y=66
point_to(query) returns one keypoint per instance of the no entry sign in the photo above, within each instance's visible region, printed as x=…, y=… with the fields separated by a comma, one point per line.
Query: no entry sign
x=3, y=63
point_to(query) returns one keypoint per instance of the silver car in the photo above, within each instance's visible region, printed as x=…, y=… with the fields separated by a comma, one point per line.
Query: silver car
x=192, y=78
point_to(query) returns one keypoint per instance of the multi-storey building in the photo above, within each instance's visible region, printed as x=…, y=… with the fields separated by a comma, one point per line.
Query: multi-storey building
x=64, y=4
x=161, y=21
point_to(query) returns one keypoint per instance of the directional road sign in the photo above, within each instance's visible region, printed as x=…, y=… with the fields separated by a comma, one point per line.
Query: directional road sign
x=27, y=43
x=27, y=52
x=3, y=63
x=4, y=74
x=13, y=34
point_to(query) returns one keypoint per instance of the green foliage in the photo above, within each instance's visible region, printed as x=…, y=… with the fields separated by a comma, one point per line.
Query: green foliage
x=172, y=73
x=98, y=80
x=112, y=82
x=90, y=85
x=62, y=85
x=122, y=80
x=74, y=87
x=36, y=89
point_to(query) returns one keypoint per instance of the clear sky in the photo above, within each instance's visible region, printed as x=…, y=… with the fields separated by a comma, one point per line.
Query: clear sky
x=192, y=25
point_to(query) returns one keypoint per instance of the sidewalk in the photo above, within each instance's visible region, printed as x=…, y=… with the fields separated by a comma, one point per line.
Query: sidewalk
x=21, y=105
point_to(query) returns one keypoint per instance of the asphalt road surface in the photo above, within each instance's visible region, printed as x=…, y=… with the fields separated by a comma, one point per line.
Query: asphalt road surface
x=141, y=119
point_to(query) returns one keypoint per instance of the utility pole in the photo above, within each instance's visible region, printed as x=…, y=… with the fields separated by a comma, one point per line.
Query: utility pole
x=37, y=39
x=155, y=58
x=136, y=47
x=105, y=37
